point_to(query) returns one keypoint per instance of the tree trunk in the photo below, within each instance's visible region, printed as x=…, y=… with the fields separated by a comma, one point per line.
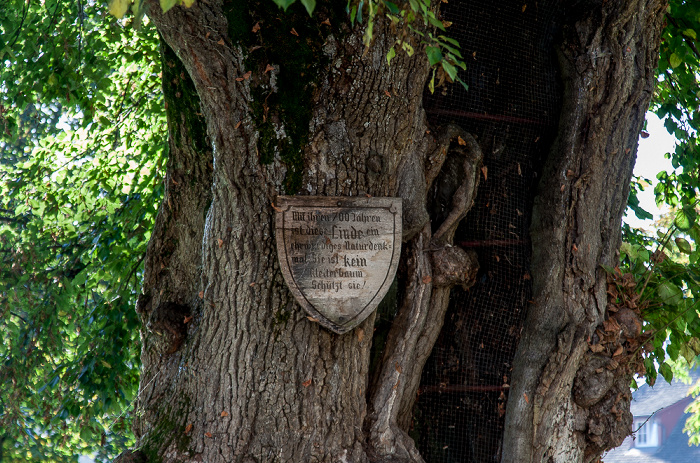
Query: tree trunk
x=263, y=103
x=233, y=370
x=608, y=58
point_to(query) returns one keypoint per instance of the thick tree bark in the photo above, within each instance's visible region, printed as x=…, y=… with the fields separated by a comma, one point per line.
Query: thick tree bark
x=608, y=58
x=233, y=370
x=263, y=103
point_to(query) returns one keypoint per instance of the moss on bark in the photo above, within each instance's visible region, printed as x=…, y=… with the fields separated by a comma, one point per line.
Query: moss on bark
x=181, y=101
x=291, y=43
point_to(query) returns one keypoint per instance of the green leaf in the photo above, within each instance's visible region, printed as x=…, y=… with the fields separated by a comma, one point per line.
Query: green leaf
x=633, y=203
x=464, y=84
x=434, y=55
x=393, y=8
x=80, y=278
x=310, y=5
x=165, y=5
x=431, y=84
x=643, y=255
x=650, y=368
x=434, y=21
x=695, y=233
x=118, y=8
x=452, y=50
x=669, y=293
x=687, y=353
x=691, y=33
x=86, y=433
x=694, y=344
x=683, y=245
x=685, y=218
x=674, y=61
x=414, y=5
x=390, y=55
x=449, y=40
x=694, y=257
x=450, y=70
x=626, y=249
x=284, y=4
x=666, y=372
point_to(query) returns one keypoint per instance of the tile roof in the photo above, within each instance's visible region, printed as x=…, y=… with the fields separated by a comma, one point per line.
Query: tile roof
x=647, y=401
x=674, y=450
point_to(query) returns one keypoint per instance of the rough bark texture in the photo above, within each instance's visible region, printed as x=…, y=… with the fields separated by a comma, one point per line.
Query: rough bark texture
x=233, y=370
x=263, y=103
x=608, y=57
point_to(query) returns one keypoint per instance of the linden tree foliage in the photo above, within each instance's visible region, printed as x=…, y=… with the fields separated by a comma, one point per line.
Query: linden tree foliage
x=677, y=98
x=83, y=140
x=666, y=268
x=442, y=51
x=656, y=281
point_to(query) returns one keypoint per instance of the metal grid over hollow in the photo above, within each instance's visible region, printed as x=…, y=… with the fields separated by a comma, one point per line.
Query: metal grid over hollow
x=511, y=108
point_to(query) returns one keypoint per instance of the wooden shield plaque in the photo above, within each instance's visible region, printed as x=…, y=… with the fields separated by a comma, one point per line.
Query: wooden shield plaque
x=338, y=254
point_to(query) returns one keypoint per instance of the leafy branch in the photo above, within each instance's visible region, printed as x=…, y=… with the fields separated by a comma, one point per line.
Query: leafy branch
x=662, y=289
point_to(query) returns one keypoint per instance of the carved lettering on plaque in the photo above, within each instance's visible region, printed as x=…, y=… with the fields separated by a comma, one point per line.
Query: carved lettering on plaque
x=338, y=255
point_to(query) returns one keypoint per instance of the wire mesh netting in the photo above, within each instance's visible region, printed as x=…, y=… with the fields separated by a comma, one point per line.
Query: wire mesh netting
x=511, y=108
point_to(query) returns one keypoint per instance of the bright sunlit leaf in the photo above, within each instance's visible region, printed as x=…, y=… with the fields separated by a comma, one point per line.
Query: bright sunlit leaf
x=119, y=8
x=675, y=61
x=167, y=4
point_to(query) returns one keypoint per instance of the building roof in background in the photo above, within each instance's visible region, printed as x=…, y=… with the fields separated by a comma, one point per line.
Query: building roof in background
x=647, y=401
x=674, y=450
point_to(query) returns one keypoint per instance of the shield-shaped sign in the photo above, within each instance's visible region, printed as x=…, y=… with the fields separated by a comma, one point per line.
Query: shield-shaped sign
x=338, y=255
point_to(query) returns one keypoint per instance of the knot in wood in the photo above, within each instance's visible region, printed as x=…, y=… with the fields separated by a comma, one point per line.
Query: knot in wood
x=168, y=321
x=143, y=303
x=454, y=266
x=593, y=381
